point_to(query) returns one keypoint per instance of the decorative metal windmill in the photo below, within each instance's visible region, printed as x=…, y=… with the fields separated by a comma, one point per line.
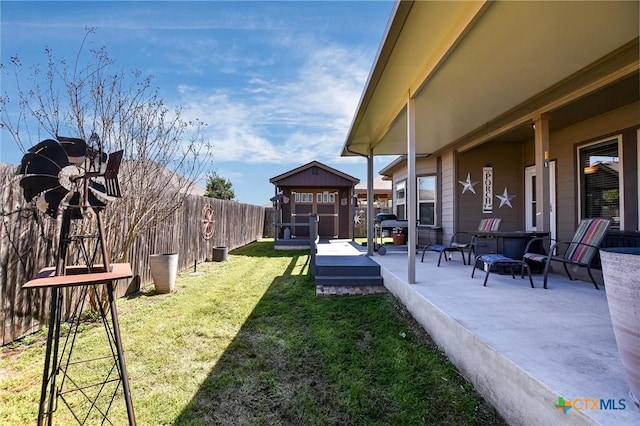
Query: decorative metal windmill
x=70, y=175
x=73, y=177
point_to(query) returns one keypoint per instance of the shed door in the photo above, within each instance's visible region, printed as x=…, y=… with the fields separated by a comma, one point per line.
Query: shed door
x=327, y=210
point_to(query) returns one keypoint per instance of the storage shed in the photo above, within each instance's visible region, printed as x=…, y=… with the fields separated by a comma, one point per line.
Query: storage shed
x=313, y=188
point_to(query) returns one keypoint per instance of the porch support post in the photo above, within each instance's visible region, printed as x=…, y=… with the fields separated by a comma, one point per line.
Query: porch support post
x=412, y=207
x=370, y=224
x=543, y=205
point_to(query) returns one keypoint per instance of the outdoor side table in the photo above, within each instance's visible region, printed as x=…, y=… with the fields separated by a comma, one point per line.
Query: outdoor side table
x=491, y=262
x=58, y=360
x=508, y=243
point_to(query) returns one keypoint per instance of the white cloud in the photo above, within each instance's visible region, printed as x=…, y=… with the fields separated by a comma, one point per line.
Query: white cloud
x=294, y=117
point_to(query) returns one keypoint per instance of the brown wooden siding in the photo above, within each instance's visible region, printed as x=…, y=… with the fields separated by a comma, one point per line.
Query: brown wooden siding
x=448, y=198
x=314, y=177
x=298, y=212
x=507, y=160
x=563, y=146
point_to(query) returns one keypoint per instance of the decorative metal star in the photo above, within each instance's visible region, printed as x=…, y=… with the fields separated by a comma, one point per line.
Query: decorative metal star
x=505, y=198
x=467, y=185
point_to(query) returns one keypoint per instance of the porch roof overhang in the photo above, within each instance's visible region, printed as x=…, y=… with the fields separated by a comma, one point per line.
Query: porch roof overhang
x=479, y=70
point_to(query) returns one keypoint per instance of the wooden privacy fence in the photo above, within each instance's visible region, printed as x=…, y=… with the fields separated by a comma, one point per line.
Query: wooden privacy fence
x=29, y=242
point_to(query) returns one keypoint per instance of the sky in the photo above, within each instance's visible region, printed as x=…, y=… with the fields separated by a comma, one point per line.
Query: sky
x=277, y=82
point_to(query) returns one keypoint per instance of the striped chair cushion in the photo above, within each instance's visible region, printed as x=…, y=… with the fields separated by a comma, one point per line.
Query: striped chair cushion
x=590, y=231
x=490, y=224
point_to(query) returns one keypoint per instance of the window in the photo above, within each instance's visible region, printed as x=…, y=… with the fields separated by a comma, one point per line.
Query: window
x=427, y=200
x=325, y=197
x=304, y=197
x=599, y=169
x=400, y=200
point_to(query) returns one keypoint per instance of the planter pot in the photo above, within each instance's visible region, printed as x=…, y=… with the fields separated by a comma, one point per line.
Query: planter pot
x=620, y=267
x=399, y=239
x=164, y=270
x=220, y=254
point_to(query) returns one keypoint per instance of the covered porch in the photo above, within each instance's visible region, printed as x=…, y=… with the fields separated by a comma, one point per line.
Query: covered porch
x=522, y=348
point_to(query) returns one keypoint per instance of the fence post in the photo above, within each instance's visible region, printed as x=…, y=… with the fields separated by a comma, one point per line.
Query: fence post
x=313, y=240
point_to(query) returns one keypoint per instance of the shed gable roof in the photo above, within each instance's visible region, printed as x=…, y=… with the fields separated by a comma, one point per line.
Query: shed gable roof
x=314, y=174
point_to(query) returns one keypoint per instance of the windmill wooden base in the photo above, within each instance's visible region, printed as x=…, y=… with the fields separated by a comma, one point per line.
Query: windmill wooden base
x=58, y=360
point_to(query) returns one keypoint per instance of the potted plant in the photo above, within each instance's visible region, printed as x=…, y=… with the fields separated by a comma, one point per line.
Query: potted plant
x=620, y=266
x=399, y=237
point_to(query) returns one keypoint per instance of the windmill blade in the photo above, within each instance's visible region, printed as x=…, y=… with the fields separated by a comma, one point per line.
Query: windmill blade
x=75, y=148
x=33, y=185
x=75, y=202
x=98, y=197
x=48, y=149
x=49, y=201
x=38, y=164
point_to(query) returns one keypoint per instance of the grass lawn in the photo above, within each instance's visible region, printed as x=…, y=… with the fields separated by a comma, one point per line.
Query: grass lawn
x=248, y=342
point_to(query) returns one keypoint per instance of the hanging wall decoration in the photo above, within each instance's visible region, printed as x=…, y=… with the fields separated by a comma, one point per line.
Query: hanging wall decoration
x=468, y=185
x=505, y=198
x=487, y=189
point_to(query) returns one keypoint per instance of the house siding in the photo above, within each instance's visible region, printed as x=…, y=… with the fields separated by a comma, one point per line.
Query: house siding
x=448, y=188
x=507, y=161
x=463, y=212
x=563, y=148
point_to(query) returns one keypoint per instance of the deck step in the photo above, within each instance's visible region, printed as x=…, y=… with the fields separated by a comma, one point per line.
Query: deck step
x=345, y=270
x=348, y=280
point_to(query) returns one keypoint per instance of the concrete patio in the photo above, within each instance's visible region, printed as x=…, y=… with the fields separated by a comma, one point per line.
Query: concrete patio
x=522, y=348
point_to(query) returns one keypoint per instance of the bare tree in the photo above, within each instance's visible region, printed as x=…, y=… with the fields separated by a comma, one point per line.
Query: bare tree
x=163, y=153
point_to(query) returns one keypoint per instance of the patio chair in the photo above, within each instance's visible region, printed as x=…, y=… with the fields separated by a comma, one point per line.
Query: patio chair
x=579, y=251
x=489, y=224
x=457, y=243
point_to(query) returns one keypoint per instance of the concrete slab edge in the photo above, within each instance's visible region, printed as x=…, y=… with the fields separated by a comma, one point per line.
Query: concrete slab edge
x=517, y=396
